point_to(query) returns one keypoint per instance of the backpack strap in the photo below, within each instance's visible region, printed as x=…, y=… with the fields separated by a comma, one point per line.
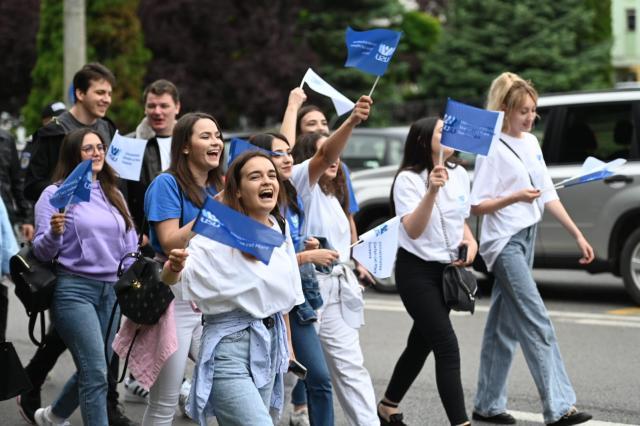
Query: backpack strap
x=32, y=325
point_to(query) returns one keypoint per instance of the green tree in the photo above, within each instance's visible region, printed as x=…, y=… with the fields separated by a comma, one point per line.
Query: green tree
x=114, y=38
x=554, y=43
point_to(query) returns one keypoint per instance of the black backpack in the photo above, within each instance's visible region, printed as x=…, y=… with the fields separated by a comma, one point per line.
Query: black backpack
x=35, y=282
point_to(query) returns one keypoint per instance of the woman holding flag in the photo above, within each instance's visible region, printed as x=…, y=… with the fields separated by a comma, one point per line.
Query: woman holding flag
x=171, y=204
x=87, y=240
x=431, y=196
x=511, y=188
x=245, y=347
x=320, y=182
x=316, y=389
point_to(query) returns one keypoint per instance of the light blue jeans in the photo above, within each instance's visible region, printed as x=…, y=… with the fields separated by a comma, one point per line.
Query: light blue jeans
x=518, y=315
x=81, y=309
x=236, y=398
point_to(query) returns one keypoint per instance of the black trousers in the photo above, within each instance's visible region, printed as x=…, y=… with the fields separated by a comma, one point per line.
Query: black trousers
x=47, y=355
x=420, y=286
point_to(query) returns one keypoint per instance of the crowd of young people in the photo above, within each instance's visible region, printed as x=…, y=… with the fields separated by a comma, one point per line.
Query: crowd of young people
x=241, y=320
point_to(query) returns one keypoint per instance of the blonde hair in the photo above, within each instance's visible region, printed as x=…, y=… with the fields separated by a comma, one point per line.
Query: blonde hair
x=508, y=92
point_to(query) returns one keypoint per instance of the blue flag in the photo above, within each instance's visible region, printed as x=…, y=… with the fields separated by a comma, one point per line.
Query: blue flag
x=470, y=129
x=370, y=51
x=227, y=226
x=238, y=146
x=75, y=188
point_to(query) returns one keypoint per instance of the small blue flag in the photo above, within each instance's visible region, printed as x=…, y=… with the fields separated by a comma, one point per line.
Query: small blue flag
x=470, y=129
x=370, y=51
x=238, y=146
x=227, y=226
x=75, y=188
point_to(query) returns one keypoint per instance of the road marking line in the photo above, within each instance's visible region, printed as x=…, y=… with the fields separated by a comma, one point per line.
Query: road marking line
x=533, y=417
x=575, y=317
x=625, y=311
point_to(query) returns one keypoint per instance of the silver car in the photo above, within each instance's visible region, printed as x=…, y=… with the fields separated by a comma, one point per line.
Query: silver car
x=571, y=127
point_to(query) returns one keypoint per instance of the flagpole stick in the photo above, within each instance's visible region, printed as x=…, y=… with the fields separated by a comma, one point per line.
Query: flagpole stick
x=441, y=156
x=301, y=84
x=374, y=85
x=355, y=244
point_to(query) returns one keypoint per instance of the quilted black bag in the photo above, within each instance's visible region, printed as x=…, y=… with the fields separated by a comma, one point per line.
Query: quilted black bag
x=140, y=293
x=35, y=282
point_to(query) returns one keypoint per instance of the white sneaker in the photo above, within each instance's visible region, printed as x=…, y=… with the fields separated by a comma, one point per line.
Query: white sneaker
x=43, y=418
x=134, y=392
x=299, y=418
x=185, y=388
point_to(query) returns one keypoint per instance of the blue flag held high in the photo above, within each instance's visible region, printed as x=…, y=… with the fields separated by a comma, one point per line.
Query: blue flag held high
x=238, y=146
x=470, y=129
x=75, y=188
x=370, y=51
x=229, y=227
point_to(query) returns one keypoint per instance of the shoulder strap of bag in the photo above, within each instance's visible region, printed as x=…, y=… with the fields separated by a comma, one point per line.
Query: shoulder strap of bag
x=32, y=325
x=106, y=352
x=444, y=231
x=518, y=157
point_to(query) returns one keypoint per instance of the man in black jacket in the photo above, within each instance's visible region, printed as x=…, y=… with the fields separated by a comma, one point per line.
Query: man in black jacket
x=93, y=85
x=161, y=106
x=11, y=186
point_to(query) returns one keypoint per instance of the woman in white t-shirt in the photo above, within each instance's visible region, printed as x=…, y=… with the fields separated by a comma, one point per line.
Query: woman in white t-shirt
x=244, y=349
x=511, y=188
x=320, y=182
x=433, y=203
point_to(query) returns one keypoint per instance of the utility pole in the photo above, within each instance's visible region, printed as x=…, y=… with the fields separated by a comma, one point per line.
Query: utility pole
x=75, y=41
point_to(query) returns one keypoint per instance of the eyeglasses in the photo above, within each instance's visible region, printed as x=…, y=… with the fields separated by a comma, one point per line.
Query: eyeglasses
x=90, y=149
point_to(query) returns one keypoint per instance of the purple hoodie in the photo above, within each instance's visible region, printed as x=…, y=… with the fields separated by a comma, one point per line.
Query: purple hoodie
x=94, y=240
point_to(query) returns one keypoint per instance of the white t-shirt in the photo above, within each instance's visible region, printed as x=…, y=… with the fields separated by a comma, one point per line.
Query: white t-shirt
x=164, y=144
x=500, y=174
x=220, y=279
x=452, y=201
x=324, y=216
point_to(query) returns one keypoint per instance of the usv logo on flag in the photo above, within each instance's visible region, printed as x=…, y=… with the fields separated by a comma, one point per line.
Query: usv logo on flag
x=114, y=152
x=385, y=52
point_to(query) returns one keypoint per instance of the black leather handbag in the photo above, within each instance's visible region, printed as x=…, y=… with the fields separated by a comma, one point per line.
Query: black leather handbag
x=35, y=283
x=459, y=285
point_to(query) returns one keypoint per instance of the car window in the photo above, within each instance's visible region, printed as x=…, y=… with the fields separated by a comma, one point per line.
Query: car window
x=364, y=152
x=540, y=124
x=604, y=131
x=396, y=149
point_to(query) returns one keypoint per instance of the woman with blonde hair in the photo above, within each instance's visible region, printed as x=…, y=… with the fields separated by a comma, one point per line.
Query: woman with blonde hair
x=511, y=188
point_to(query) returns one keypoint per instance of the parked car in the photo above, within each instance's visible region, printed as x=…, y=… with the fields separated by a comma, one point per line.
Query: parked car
x=374, y=148
x=571, y=127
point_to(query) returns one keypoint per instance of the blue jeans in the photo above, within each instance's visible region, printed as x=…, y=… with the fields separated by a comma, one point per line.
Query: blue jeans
x=518, y=315
x=317, y=393
x=236, y=398
x=81, y=308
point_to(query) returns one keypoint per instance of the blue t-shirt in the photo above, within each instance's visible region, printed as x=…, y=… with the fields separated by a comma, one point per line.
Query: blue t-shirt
x=164, y=200
x=353, y=203
x=295, y=225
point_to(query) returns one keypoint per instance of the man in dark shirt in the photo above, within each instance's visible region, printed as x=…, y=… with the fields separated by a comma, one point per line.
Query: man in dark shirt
x=93, y=86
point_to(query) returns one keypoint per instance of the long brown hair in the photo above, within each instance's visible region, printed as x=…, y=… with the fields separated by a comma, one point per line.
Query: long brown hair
x=70, y=157
x=179, y=167
x=233, y=181
x=305, y=148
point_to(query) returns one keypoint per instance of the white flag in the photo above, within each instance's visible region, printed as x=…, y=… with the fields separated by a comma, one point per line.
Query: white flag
x=341, y=103
x=125, y=155
x=377, y=249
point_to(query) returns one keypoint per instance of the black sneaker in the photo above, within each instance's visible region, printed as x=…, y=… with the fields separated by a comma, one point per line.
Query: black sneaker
x=115, y=412
x=501, y=419
x=28, y=403
x=573, y=417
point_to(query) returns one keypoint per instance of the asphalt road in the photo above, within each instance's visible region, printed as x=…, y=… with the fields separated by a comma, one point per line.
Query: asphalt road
x=597, y=325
